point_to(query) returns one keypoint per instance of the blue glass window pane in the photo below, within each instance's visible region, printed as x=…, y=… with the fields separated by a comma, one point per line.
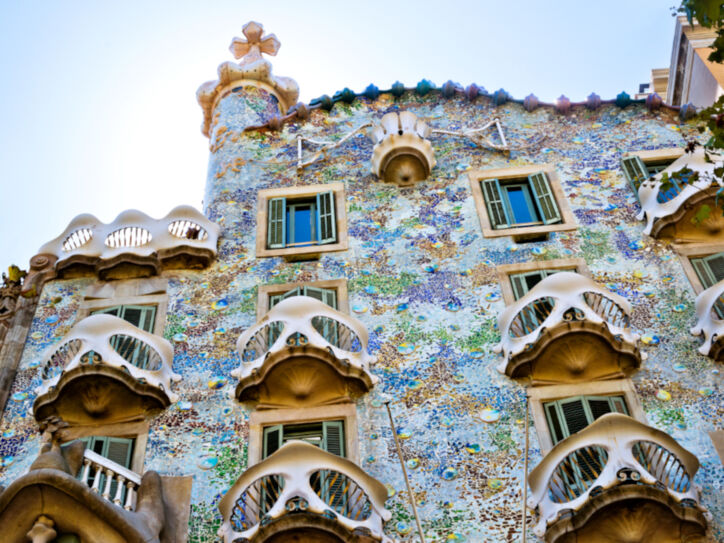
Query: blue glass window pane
x=521, y=205
x=300, y=229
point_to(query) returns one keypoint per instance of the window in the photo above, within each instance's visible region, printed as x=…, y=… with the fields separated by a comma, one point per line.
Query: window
x=523, y=282
x=639, y=166
x=520, y=202
x=710, y=270
x=328, y=435
x=561, y=410
x=519, y=278
x=301, y=220
x=570, y=415
x=326, y=295
x=526, y=202
x=140, y=316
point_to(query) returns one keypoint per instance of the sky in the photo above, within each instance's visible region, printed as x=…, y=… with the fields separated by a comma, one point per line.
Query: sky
x=99, y=113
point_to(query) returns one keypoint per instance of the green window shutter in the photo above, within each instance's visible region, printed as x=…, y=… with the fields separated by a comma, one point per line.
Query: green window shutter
x=314, y=292
x=575, y=416
x=716, y=266
x=326, y=220
x=544, y=199
x=329, y=297
x=272, y=439
x=294, y=292
x=520, y=288
x=599, y=406
x=119, y=450
x=554, y=422
x=140, y=316
x=333, y=439
x=618, y=405
x=635, y=171
x=492, y=194
x=276, y=227
x=701, y=266
x=274, y=299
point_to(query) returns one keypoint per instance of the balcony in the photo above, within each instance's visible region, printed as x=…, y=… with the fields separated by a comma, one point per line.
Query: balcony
x=710, y=323
x=617, y=480
x=105, y=503
x=134, y=245
x=105, y=370
x=301, y=490
x=303, y=353
x=567, y=329
x=672, y=213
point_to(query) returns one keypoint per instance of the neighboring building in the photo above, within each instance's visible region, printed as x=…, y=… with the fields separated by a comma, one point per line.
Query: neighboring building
x=510, y=277
x=691, y=77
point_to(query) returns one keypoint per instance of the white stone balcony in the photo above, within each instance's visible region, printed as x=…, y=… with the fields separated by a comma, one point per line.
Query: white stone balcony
x=402, y=153
x=710, y=323
x=105, y=368
x=616, y=461
x=567, y=329
x=671, y=213
x=302, y=488
x=182, y=239
x=110, y=480
x=303, y=352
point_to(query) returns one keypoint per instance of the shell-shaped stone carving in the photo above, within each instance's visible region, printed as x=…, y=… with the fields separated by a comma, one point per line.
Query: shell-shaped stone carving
x=402, y=153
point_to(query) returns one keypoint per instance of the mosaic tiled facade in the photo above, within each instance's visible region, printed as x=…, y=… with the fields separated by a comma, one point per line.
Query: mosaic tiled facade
x=422, y=279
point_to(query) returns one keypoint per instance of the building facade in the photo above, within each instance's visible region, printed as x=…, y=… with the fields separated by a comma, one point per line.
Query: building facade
x=503, y=303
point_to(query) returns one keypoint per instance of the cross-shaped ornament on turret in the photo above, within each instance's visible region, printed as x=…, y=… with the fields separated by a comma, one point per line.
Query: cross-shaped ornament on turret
x=250, y=50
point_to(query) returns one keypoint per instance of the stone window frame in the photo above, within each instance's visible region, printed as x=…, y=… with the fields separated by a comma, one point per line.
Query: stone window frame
x=651, y=155
x=304, y=191
x=346, y=412
x=151, y=291
x=568, y=220
x=686, y=252
x=537, y=396
x=137, y=430
x=506, y=270
x=268, y=290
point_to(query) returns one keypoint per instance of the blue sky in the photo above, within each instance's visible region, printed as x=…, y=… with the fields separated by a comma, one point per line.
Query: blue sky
x=99, y=111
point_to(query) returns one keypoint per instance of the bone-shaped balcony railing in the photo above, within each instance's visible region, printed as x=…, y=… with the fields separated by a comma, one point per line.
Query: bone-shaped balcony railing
x=111, y=341
x=561, y=297
x=657, y=203
x=300, y=477
x=298, y=321
x=710, y=315
x=112, y=481
x=613, y=450
x=133, y=232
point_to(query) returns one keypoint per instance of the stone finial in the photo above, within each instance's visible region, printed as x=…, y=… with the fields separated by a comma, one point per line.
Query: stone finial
x=402, y=153
x=253, y=70
x=250, y=51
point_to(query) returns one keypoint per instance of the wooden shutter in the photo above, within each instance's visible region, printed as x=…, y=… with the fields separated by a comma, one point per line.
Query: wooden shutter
x=635, y=171
x=618, y=405
x=115, y=311
x=599, y=406
x=119, y=450
x=554, y=422
x=716, y=266
x=517, y=281
x=273, y=436
x=140, y=316
x=333, y=438
x=701, y=266
x=574, y=415
x=274, y=299
x=492, y=194
x=544, y=199
x=277, y=223
x=326, y=220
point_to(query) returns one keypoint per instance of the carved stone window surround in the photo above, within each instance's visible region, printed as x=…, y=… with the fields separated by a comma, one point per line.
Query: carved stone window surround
x=686, y=252
x=305, y=191
x=568, y=221
x=539, y=395
x=258, y=420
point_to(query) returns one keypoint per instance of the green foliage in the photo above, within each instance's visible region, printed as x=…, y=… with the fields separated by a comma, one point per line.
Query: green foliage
x=702, y=214
x=709, y=14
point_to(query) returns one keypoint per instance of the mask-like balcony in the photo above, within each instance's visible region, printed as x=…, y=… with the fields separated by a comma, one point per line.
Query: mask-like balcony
x=710, y=323
x=134, y=245
x=303, y=353
x=672, y=210
x=301, y=490
x=617, y=480
x=567, y=329
x=106, y=502
x=105, y=370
